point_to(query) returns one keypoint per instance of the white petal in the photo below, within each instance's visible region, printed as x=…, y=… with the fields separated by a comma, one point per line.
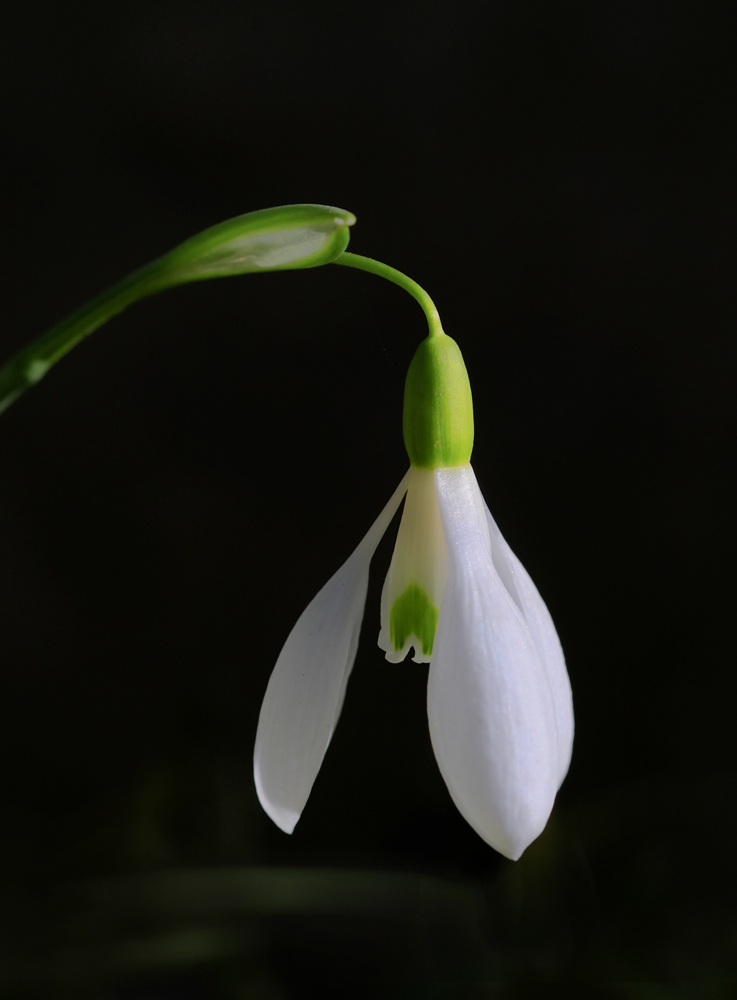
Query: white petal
x=306, y=690
x=414, y=586
x=489, y=702
x=523, y=591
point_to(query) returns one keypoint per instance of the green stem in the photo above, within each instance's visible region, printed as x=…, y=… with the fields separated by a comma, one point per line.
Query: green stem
x=271, y=239
x=31, y=364
x=391, y=274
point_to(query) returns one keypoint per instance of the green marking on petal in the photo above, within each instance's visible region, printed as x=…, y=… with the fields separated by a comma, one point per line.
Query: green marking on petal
x=413, y=613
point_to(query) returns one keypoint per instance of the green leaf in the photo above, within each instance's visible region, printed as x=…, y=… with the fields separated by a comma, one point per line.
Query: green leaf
x=272, y=239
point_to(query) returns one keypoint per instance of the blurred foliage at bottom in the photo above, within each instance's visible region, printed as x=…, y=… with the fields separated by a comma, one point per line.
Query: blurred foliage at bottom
x=633, y=892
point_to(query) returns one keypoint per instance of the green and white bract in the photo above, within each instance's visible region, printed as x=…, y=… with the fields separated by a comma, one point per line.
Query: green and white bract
x=499, y=700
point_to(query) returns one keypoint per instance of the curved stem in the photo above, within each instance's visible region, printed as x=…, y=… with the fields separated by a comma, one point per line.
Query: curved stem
x=391, y=274
x=30, y=365
x=271, y=239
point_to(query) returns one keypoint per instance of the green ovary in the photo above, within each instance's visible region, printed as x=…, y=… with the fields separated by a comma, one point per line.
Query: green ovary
x=413, y=613
x=438, y=408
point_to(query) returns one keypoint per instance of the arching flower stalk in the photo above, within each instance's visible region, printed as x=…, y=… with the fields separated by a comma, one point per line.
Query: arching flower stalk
x=499, y=700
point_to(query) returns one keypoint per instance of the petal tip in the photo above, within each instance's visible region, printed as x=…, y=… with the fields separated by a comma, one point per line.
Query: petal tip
x=509, y=839
x=515, y=847
x=285, y=819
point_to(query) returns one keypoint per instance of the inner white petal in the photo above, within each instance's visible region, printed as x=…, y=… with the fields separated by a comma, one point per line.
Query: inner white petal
x=414, y=586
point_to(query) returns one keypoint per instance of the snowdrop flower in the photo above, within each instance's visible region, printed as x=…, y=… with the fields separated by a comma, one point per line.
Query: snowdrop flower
x=498, y=699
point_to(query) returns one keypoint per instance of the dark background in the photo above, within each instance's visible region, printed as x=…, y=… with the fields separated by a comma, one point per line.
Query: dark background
x=560, y=177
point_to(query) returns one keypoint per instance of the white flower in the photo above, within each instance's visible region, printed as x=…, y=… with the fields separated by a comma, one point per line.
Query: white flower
x=499, y=701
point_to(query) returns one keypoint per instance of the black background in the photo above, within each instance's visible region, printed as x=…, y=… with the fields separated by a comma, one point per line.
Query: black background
x=560, y=178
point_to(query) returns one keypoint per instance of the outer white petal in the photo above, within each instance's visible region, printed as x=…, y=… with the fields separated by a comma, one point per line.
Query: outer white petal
x=490, y=707
x=306, y=690
x=523, y=591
